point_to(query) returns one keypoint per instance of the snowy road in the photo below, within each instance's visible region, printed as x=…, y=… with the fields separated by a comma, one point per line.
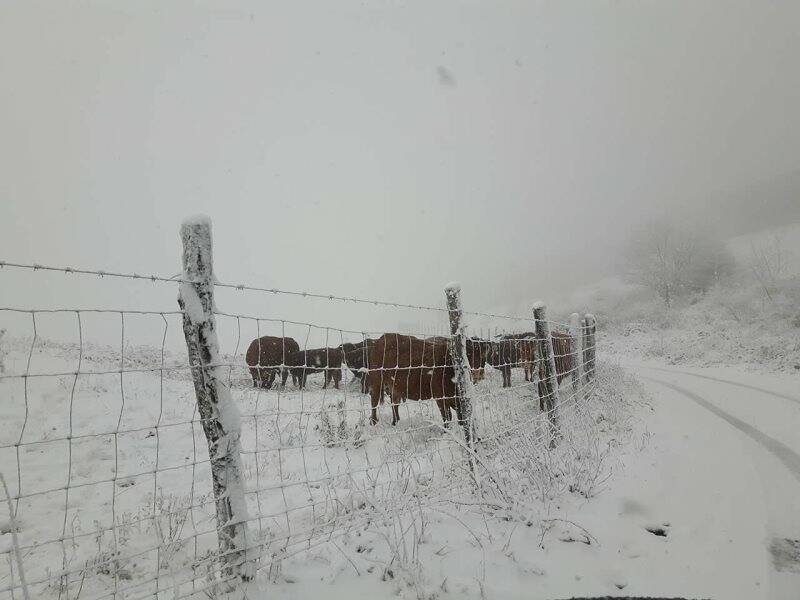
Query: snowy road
x=740, y=440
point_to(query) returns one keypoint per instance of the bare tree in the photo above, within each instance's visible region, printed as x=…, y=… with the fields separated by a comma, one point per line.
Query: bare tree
x=673, y=261
x=768, y=263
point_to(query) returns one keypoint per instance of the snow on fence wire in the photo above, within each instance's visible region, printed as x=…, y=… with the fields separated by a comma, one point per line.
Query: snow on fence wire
x=137, y=472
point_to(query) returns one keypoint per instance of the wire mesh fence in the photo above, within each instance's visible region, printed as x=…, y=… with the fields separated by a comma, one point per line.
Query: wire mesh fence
x=112, y=463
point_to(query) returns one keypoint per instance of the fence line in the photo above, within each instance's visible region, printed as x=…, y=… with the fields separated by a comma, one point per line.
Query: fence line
x=243, y=287
x=130, y=482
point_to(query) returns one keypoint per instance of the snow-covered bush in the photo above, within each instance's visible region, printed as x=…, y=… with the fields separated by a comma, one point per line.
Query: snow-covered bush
x=334, y=429
x=733, y=323
x=585, y=456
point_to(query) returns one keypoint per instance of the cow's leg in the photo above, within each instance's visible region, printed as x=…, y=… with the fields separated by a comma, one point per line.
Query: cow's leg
x=395, y=402
x=337, y=378
x=270, y=378
x=444, y=410
x=284, y=376
x=326, y=377
x=375, y=393
x=262, y=378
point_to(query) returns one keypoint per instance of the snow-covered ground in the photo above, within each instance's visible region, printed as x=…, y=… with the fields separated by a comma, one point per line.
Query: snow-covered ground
x=726, y=505
x=727, y=468
x=684, y=484
x=115, y=490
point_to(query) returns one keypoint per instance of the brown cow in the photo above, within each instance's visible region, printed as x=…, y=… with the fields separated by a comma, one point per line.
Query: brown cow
x=527, y=356
x=317, y=360
x=266, y=356
x=406, y=367
x=513, y=350
x=356, y=357
x=477, y=351
x=562, y=351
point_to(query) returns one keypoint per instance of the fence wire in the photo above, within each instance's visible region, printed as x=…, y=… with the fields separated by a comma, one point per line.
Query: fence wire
x=108, y=469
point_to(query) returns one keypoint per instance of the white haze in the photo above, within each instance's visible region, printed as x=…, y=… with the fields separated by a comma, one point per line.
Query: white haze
x=382, y=149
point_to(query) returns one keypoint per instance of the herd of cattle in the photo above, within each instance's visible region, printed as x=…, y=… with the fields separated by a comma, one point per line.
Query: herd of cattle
x=401, y=366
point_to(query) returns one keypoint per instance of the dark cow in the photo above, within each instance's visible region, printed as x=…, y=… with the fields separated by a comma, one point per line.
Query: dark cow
x=406, y=367
x=477, y=355
x=356, y=357
x=527, y=354
x=477, y=349
x=317, y=360
x=514, y=350
x=562, y=351
x=265, y=357
x=477, y=352
x=526, y=348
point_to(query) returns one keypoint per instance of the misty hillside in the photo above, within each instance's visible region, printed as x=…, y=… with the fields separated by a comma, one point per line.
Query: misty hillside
x=737, y=321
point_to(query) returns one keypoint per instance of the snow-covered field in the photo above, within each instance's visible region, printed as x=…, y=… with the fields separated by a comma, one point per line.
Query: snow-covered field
x=673, y=477
x=651, y=492
x=695, y=508
x=112, y=474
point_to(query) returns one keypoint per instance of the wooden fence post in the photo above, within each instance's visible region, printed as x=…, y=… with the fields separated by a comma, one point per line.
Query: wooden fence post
x=548, y=383
x=458, y=351
x=576, y=341
x=219, y=415
x=589, y=346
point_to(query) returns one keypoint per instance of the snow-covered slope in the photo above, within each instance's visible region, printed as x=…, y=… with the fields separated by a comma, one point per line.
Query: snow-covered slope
x=742, y=320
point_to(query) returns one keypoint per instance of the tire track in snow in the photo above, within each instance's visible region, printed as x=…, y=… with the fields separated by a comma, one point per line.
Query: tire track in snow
x=785, y=454
x=728, y=381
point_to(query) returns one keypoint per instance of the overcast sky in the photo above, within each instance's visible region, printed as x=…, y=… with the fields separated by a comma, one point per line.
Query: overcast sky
x=377, y=149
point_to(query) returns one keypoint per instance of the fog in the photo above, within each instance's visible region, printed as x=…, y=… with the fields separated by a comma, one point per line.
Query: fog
x=383, y=149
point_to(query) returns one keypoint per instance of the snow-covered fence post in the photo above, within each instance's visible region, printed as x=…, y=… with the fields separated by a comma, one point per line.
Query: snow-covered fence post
x=458, y=351
x=589, y=345
x=576, y=350
x=219, y=415
x=548, y=383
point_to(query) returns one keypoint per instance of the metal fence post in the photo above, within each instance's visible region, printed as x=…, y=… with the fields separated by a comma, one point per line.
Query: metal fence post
x=548, y=388
x=219, y=416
